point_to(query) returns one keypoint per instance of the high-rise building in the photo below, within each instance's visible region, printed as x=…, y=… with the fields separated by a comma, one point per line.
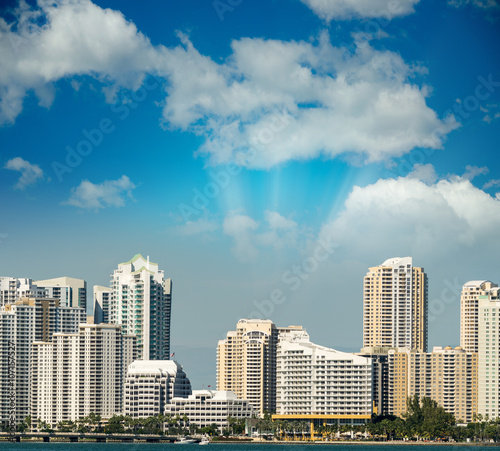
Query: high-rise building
x=141, y=305
x=489, y=353
x=469, y=312
x=12, y=290
x=71, y=292
x=102, y=301
x=395, y=305
x=21, y=323
x=151, y=384
x=80, y=373
x=246, y=363
x=313, y=380
x=448, y=376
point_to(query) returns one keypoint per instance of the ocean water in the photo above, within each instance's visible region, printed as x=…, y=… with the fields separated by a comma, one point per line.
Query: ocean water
x=58, y=446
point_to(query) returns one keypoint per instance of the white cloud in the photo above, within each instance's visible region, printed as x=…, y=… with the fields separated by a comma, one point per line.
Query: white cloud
x=471, y=172
x=482, y=4
x=408, y=216
x=347, y=9
x=110, y=193
x=269, y=102
x=77, y=37
x=240, y=228
x=201, y=226
x=251, y=237
x=491, y=184
x=30, y=173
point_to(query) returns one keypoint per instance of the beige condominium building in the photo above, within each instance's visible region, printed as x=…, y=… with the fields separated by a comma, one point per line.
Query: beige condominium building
x=395, y=305
x=469, y=312
x=448, y=376
x=489, y=353
x=246, y=362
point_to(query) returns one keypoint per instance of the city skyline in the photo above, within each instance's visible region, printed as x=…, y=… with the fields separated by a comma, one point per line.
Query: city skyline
x=264, y=154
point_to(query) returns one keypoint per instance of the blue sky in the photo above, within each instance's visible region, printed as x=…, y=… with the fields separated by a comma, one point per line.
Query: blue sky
x=255, y=150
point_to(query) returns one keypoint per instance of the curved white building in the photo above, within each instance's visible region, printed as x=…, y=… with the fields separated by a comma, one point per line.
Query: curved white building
x=151, y=384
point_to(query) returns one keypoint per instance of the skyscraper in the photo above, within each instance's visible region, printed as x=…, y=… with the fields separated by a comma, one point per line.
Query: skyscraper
x=469, y=312
x=488, y=342
x=141, y=305
x=246, y=362
x=395, y=305
x=80, y=373
x=21, y=323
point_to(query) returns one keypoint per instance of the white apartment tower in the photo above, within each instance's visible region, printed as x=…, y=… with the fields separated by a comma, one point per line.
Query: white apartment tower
x=22, y=323
x=469, y=312
x=395, y=305
x=316, y=380
x=489, y=353
x=80, y=373
x=141, y=305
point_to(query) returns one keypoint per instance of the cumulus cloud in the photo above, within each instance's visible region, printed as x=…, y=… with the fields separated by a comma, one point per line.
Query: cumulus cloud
x=30, y=173
x=276, y=101
x=348, y=9
x=94, y=196
x=62, y=39
x=269, y=102
x=411, y=216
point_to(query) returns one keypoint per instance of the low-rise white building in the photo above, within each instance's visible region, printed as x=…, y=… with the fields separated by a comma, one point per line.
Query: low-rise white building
x=151, y=384
x=207, y=407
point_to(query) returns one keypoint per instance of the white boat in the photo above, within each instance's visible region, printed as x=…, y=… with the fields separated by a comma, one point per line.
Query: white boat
x=204, y=441
x=184, y=441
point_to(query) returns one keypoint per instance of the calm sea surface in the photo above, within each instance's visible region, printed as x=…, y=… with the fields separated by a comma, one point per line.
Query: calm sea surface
x=6, y=446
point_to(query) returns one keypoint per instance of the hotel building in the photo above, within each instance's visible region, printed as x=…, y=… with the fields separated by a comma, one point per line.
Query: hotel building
x=321, y=384
x=395, y=305
x=141, y=305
